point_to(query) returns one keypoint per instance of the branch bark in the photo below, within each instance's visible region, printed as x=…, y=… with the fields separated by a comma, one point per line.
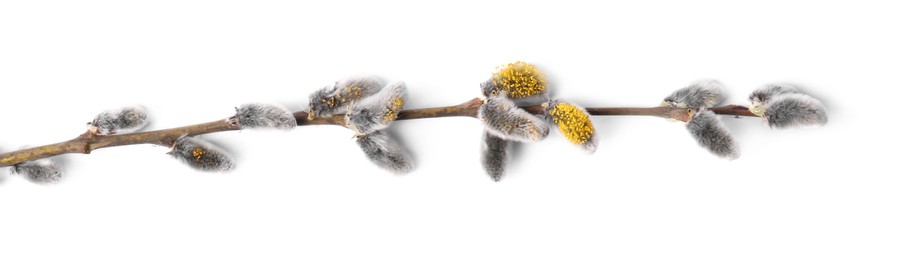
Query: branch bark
x=87, y=142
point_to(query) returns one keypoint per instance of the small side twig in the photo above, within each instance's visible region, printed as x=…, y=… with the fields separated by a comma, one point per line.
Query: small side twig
x=88, y=142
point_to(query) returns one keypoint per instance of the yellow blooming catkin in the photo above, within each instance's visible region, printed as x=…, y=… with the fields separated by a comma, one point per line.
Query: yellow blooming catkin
x=393, y=109
x=377, y=111
x=334, y=99
x=574, y=122
x=519, y=80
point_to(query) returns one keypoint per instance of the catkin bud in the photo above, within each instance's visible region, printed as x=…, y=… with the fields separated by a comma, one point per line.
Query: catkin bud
x=761, y=96
x=119, y=121
x=712, y=134
x=261, y=115
x=502, y=118
x=42, y=171
x=573, y=121
x=494, y=155
x=334, y=99
x=201, y=155
x=705, y=93
x=516, y=80
x=794, y=110
x=384, y=152
x=376, y=112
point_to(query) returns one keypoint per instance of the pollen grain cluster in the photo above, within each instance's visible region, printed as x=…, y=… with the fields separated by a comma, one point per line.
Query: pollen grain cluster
x=348, y=94
x=198, y=153
x=520, y=79
x=393, y=109
x=573, y=123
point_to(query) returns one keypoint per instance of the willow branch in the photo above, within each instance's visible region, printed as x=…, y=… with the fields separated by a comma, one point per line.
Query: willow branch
x=87, y=142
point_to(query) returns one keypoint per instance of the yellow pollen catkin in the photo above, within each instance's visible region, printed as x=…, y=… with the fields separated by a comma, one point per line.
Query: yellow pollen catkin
x=573, y=123
x=520, y=79
x=198, y=153
x=393, y=109
x=354, y=92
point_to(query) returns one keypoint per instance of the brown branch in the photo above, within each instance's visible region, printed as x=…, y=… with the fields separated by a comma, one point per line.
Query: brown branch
x=733, y=110
x=88, y=142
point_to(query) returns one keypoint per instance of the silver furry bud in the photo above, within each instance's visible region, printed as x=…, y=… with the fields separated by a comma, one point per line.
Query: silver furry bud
x=711, y=134
x=262, y=115
x=333, y=99
x=201, y=155
x=495, y=153
x=384, y=152
x=762, y=95
x=489, y=88
x=502, y=118
x=794, y=110
x=376, y=112
x=700, y=94
x=119, y=121
x=41, y=171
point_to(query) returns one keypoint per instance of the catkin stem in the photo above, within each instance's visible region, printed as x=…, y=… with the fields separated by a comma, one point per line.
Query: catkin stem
x=88, y=142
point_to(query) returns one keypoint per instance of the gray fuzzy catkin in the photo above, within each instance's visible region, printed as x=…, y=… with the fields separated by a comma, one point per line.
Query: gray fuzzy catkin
x=120, y=121
x=700, y=94
x=711, y=134
x=333, y=99
x=489, y=88
x=262, y=115
x=794, y=110
x=762, y=95
x=376, y=112
x=42, y=171
x=384, y=152
x=502, y=118
x=495, y=153
x=201, y=155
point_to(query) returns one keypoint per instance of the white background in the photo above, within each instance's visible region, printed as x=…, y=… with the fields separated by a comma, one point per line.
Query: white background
x=648, y=193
